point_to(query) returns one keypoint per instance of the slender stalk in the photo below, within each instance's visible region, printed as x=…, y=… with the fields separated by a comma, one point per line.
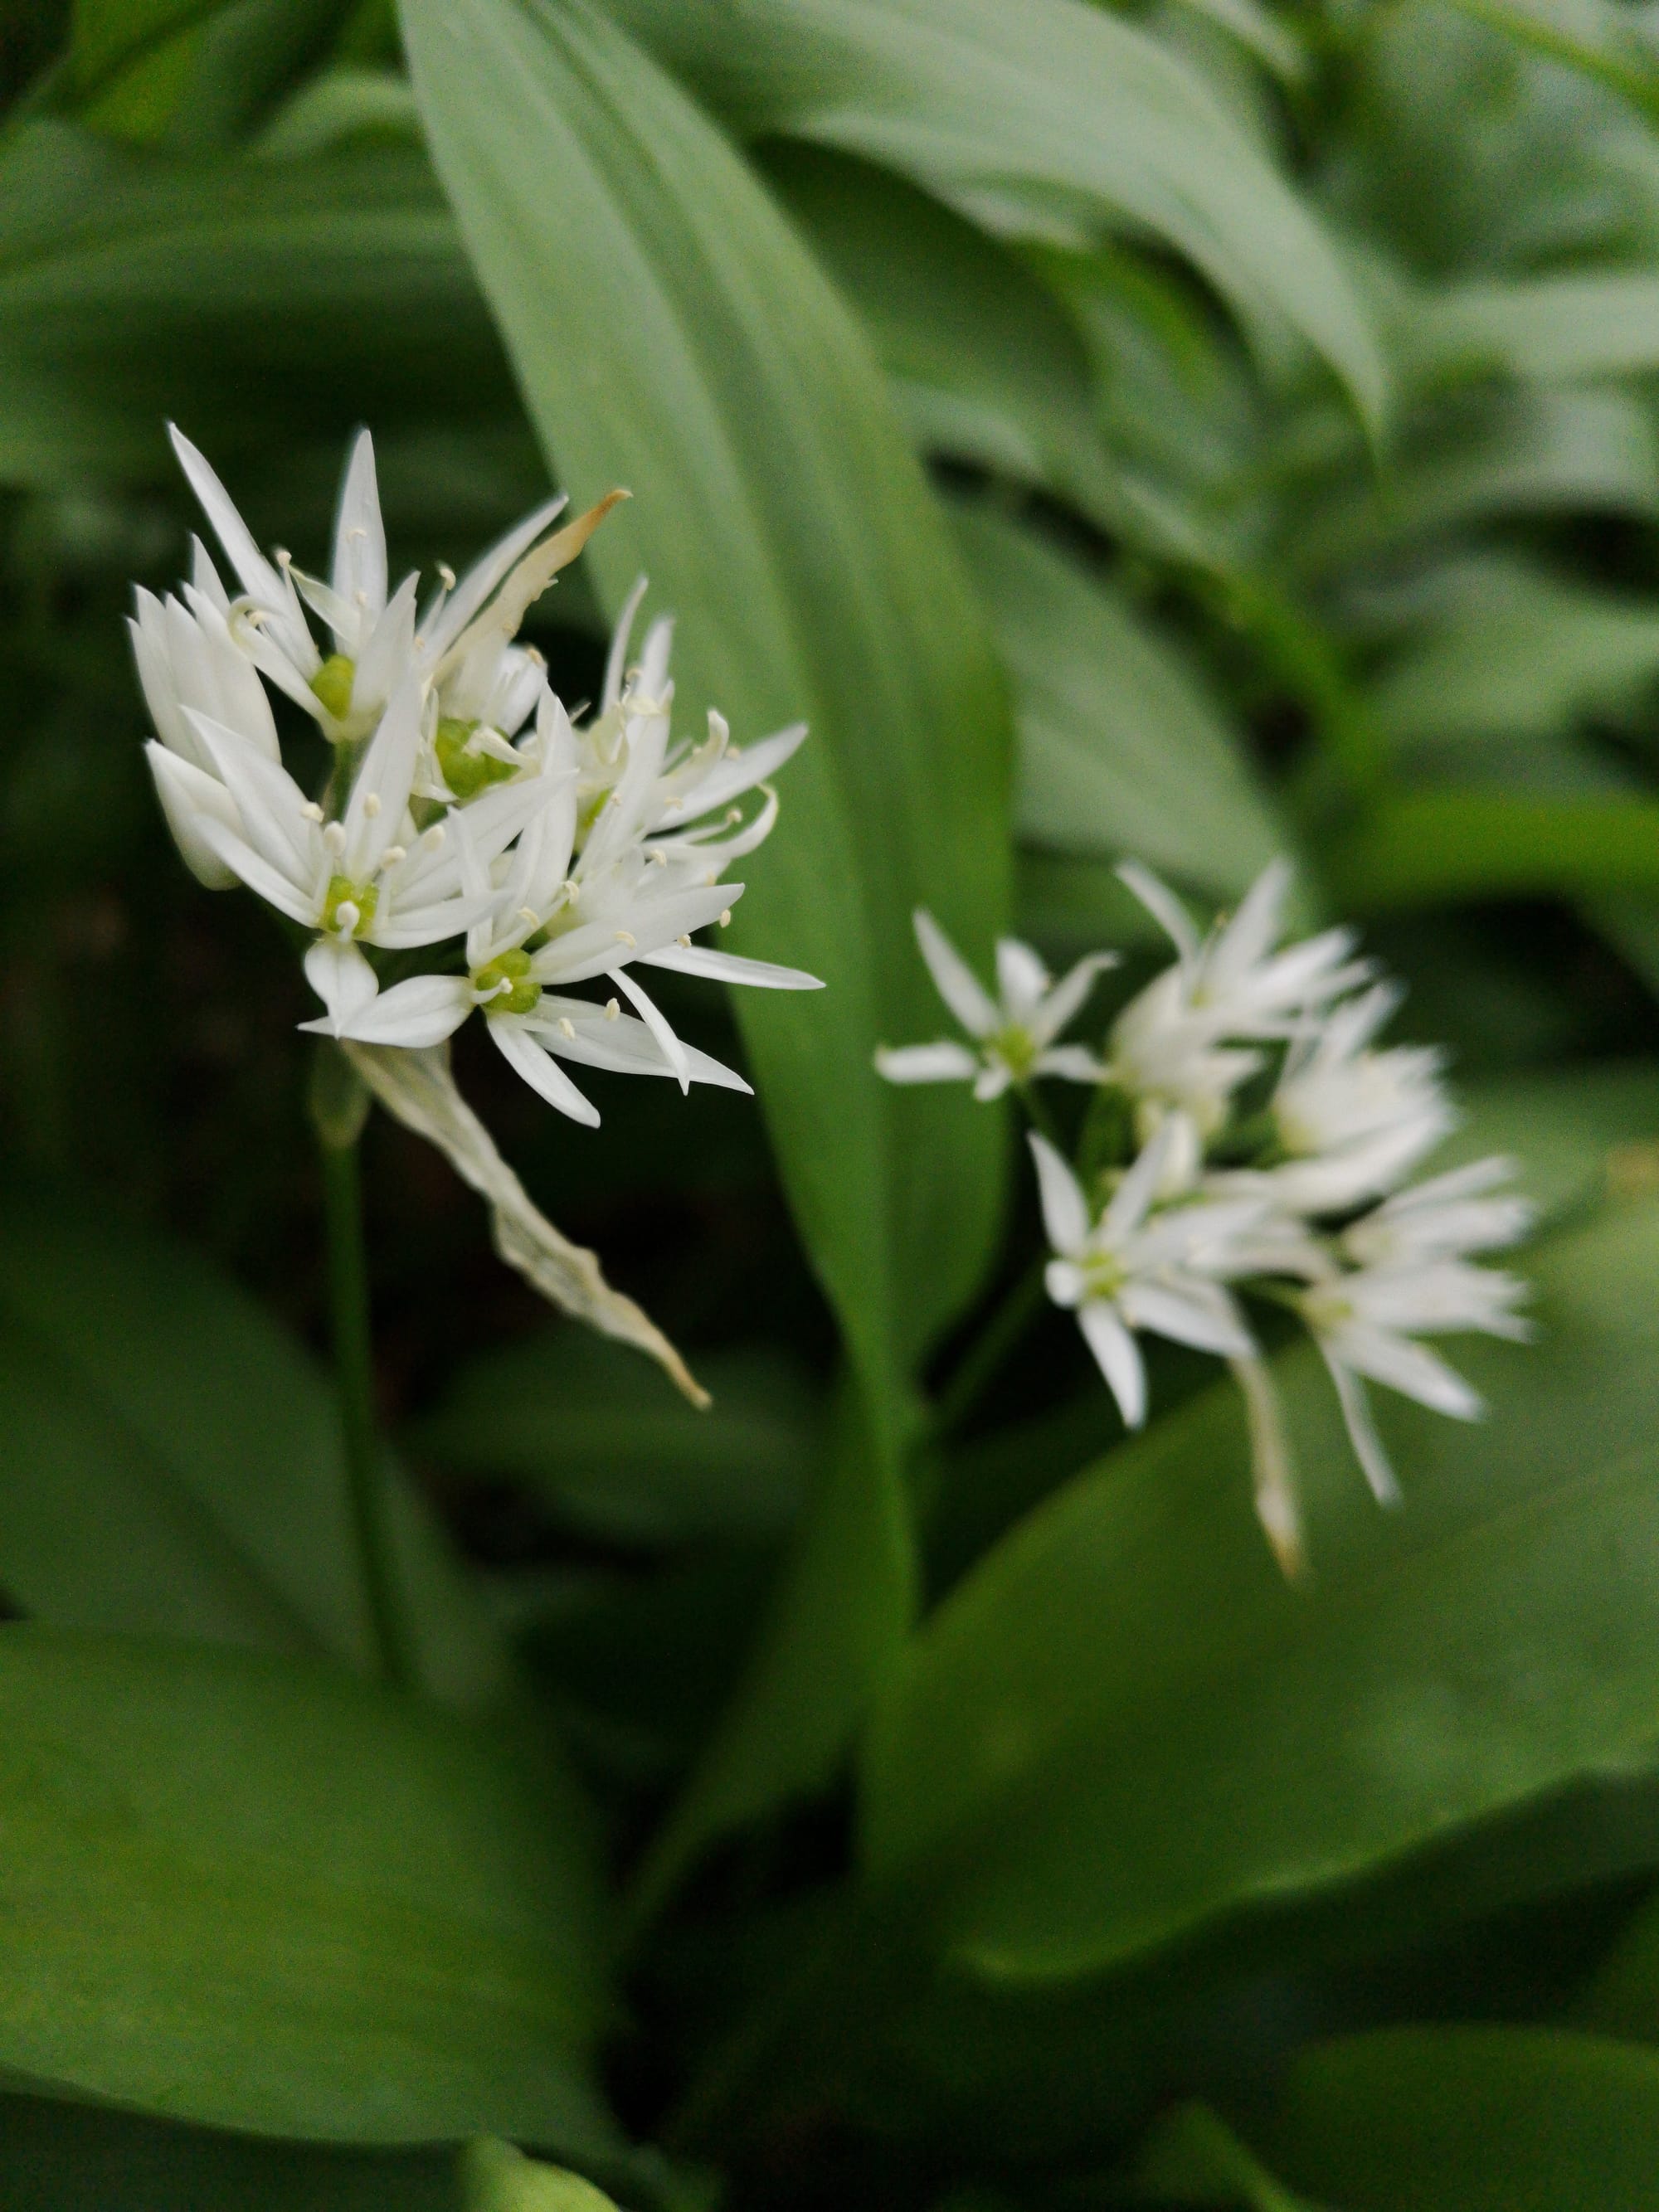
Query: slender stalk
x=1037, y=1114
x=978, y=1366
x=347, y=1282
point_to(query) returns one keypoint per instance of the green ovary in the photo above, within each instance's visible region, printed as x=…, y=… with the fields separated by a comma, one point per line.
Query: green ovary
x=1016, y=1049
x=332, y=684
x=342, y=891
x=466, y=773
x=523, y=992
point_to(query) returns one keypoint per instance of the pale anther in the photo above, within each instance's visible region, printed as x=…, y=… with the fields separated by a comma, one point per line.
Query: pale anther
x=626, y=937
x=566, y=1027
x=334, y=837
x=726, y=918
x=391, y=855
x=446, y=575
x=434, y=837
x=312, y=811
x=371, y=804
x=611, y=1010
x=346, y=917
x=684, y=943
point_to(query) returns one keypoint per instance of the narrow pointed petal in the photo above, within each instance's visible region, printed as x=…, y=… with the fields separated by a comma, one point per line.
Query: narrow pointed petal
x=1067, y=997
x=422, y=1012
x=926, y=1063
x=741, y=771
x=257, y=872
x=731, y=968
x=1139, y=1185
x=1368, y=1448
x=482, y=578
x=385, y=780
x=521, y=1052
x=1118, y=1357
x=616, y=663
x=258, y=575
x=672, y=1050
x=1254, y=930
x=189, y=795
x=1065, y=1209
x=1198, y=1313
x=269, y=802
x=526, y=582
x=337, y=972
x=623, y=1046
x=359, y=534
x=389, y=649
x=954, y=980
x=1165, y=909
x=1022, y=979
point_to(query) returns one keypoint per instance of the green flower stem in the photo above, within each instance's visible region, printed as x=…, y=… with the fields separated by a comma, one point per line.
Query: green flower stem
x=338, y=1123
x=1038, y=1114
x=979, y=1365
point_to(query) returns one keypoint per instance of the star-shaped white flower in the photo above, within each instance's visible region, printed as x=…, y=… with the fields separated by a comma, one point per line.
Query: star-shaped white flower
x=1178, y=1043
x=1141, y=1268
x=1013, y=1034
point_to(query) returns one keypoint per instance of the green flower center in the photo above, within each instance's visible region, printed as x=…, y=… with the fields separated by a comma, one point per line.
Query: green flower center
x=1016, y=1049
x=522, y=994
x=1103, y=1276
x=332, y=684
x=467, y=772
x=342, y=891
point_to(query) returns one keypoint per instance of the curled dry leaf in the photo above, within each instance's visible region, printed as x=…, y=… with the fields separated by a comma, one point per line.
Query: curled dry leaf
x=418, y=1088
x=528, y=581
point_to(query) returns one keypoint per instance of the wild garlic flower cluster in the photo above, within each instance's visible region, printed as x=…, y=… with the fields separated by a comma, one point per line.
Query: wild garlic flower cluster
x=1245, y=1135
x=467, y=826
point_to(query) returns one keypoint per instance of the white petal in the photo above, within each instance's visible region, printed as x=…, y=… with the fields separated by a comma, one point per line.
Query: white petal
x=1362, y=1430
x=235, y=853
x=1067, y=996
x=622, y=1045
x=337, y=972
x=1119, y=1358
x=188, y=794
x=387, y=651
x=1065, y=1208
x=1022, y=979
x=1254, y=930
x=731, y=968
x=1065, y=1282
x=522, y=1052
x=1072, y=1063
x=258, y=575
x=738, y=773
x=926, y=1063
x=1196, y=1313
x=616, y=664
x=992, y=1081
x=360, y=538
x=1139, y=1185
x=386, y=776
x=954, y=979
x=481, y=580
x=672, y=1050
x=271, y=804
x=1161, y=902
x=422, y=1012
x=1411, y=1369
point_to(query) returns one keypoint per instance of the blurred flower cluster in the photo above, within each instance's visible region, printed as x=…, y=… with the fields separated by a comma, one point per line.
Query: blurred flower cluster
x=1245, y=1135
x=492, y=852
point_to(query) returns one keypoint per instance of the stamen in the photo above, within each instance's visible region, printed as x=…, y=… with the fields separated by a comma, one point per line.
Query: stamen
x=535, y=659
x=726, y=918
x=392, y=855
x=312, y=811
x=657, y=859
x=570, y=890
x=566, y=1028
x=334, y=838
x=434, y=837
x=372, y=805
x=611, y=1010
x=626, y=937
x=361, y=597
x=347, y=915
x=529, y=914
x=446, y=575
x=357, y=531
x=284, y=559
x=733, y=814
x=684, y=943
x=673, y=805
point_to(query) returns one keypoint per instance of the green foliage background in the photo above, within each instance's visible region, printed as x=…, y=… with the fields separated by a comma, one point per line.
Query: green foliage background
x=1197, y=430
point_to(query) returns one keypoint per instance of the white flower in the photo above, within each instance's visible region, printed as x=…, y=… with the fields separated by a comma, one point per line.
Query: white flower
x=460, y=650
x=365, y=877
x=558, y=918
x=188, y=662
x=1013, y=1034
x=1352, y=1120
x=1413, y=1280
x=1136, y=1269
x=1177, y=1045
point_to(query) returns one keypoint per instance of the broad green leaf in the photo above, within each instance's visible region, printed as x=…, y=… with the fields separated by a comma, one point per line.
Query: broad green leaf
x=110, y=36
x=1608, y=43
x=1054, y=121
x=672, y=334
x=259, y=302
x=1516, y=652
x=595, y=197
x=1194, y=2156
x=171, y=1463
x=619, y=1452
x=55, y=2155
x=1576, y=1133
x=1623, y=1999
x=1566, y=329
x=1123, y=1723
x=496, y=2177
x=1472, y=2119
x=258, y=1895
x=1122, y=753
x=1430, y=847
x=984, y=363
x=1077, y=905
x=832, y=1633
